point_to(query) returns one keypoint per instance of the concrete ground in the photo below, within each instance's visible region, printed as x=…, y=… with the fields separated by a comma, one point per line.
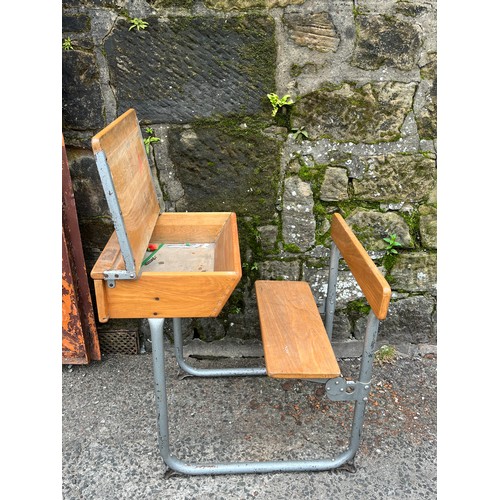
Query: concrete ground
x=109, y=435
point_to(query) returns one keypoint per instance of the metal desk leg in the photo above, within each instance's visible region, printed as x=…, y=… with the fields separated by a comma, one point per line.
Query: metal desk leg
x=158, y=347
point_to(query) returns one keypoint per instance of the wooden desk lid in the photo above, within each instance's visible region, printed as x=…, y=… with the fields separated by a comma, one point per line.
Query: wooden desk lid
x=131, y=194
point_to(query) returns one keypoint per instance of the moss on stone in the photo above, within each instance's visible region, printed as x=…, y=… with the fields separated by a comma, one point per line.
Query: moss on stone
x=412, y=220
x=388, y=261
x=359, y=307
x=291, y=248
x=162, y=4
x=347, y=207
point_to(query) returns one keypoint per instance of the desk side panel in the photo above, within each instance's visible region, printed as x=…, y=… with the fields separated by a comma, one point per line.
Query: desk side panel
x=170, y=295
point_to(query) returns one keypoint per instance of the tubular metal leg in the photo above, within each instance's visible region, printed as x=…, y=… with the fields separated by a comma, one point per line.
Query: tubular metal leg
x=157, y=343
x=365, y=376
x=330, y=292
x=208, y=372
x=156, y=326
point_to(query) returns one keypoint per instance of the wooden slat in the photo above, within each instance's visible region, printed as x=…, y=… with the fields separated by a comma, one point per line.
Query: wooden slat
x=374, y=286
x=171, y=295
x=189, y=227
x=123, y=145
x=101, y=300
x=181, y=258
x=109, y=259
x=295, y=341
x=227, y=251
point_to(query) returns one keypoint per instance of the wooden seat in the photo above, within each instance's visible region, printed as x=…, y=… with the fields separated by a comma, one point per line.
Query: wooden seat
x=295, y=341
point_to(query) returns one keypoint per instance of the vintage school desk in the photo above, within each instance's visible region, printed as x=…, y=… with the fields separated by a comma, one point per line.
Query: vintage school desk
x=196, y=270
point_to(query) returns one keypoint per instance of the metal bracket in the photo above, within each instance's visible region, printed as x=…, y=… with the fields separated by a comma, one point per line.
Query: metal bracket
x=339, y=389
x=116, y=215
x=119, y=274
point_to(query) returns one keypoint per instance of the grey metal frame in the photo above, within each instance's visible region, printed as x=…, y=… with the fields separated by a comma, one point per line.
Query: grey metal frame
x=359, y=395
x=337, y=389
x=330, y=298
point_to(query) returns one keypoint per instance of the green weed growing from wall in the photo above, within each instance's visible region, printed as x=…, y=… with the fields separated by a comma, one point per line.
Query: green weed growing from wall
x=139, y=24
x=150, y=139
x=278, y=102
x=391, y=243
x=67, y=45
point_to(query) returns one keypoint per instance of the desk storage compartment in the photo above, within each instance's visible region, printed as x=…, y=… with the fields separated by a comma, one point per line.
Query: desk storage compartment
x=193, y=273
x=198, y=265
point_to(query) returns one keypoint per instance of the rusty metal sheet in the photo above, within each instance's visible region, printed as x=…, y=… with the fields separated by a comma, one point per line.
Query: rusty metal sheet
x=77, y=302
x=73, y=340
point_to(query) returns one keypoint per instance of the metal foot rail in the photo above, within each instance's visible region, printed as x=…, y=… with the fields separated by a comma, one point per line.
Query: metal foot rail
x=206, y=372
x=174, y=464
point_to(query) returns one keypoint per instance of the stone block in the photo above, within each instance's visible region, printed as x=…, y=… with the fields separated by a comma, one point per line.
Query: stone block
x=318, y=281
x=347, y=289
x=162, y=4
x=82, y=102
x=372, y=227
x=341, y=328
x=280, y=270
x=267, y=237
x=226, y=166
x=299, y=225
x=334, y=185
x=242, y=5
x=393, y=177
x=208, y=329
x=183, y=68
x=315, y=31
x=79, y=23
x=415, y=272
x=408, y=320
x=426, y=109
x=386, y=41
x=87, y=187
x=370, y=113
x=428, y=227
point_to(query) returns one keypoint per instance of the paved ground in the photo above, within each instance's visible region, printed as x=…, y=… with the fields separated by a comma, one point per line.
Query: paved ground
x=109, y=446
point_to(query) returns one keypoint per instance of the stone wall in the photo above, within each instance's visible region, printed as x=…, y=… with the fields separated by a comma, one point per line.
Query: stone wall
x=359, y=138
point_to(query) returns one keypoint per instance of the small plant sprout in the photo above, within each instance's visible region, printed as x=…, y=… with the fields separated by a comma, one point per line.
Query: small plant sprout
x=278, y=102
x=299, y=134
x=150, y=139
x=66, y=45
x=139, y=24
x=386, y=354
x=391, y=243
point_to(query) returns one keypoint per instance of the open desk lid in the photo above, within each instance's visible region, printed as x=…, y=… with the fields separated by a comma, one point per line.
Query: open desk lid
x=128, y=185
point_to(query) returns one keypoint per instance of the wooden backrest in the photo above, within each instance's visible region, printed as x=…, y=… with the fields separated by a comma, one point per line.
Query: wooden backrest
x=374, y=286
x=122, y=143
